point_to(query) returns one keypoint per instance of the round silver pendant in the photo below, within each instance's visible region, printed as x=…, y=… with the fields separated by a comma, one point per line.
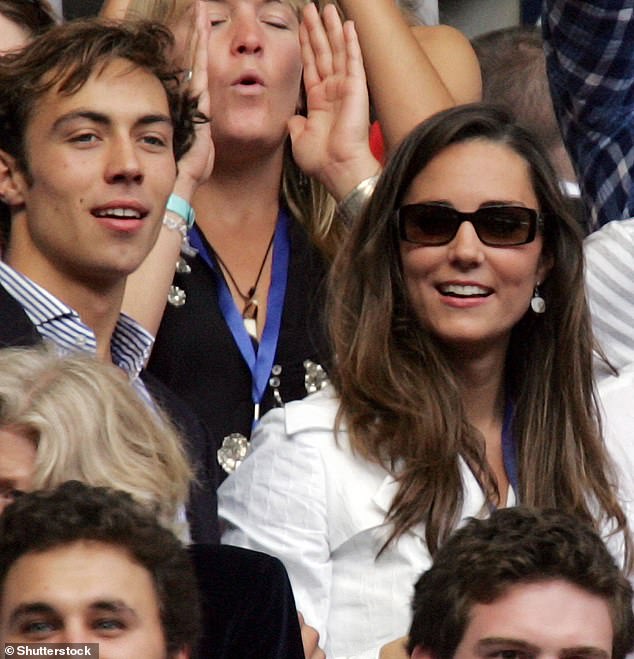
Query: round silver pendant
x=235, y=448
x=315, y=377
x=176, y=296
x=538, y=305
x=182, y=267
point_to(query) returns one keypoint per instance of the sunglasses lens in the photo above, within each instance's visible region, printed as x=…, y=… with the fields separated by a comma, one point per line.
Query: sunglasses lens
x=427, y=224
x=505, y=225
x=497, y=226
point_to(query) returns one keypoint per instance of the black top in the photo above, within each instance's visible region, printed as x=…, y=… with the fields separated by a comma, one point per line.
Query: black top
x=195, y=353
x=247, y=605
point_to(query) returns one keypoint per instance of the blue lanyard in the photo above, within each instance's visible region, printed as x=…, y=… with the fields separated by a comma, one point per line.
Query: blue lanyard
x=509, y=448
x=259, y=363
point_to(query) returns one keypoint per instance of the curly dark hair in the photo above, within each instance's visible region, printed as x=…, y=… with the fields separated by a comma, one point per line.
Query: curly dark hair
x=44, y=520
x=483, y=559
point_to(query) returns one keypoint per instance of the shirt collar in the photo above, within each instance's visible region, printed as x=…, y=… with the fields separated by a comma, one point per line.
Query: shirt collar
x=130, y=345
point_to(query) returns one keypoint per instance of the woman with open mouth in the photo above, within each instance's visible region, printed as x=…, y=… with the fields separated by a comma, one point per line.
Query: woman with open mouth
x=462, y=382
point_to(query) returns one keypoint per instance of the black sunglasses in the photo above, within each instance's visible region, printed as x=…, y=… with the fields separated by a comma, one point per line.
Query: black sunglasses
x=497, y=226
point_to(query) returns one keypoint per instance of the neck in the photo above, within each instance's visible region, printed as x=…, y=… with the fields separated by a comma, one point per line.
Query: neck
x=481, y=374
x=98, y=306
x=239, y=196
x=482, y=378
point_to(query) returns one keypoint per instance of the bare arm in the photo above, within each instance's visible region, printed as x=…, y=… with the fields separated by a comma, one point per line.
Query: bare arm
x=412, y=72
x=114, y=8
x=146, y=289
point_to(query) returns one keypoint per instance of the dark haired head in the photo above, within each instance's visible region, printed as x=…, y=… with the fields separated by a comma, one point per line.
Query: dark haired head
x=43, y=520
x=65, y=57
x=514, y=75
x=482, y=560
x=400, y=395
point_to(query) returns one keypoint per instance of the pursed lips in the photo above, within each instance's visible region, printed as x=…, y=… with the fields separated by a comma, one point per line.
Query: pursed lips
x=248, y=79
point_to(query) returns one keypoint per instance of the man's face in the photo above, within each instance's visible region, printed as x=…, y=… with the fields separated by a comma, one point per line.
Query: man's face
x=101, y=168
x=83, y=592
x=543, y=620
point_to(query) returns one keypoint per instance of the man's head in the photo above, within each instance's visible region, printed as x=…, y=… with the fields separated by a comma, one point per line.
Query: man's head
x=523, y=582
x=92, y=121
x=84, y=564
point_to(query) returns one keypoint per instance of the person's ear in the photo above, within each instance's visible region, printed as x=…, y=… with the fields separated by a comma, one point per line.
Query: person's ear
x=545, y=265
x=12, y=180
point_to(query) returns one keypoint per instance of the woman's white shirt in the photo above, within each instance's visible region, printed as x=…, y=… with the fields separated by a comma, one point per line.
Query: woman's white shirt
x=307, y=499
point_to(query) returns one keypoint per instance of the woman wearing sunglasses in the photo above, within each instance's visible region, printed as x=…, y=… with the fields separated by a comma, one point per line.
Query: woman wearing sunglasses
x=463, y=382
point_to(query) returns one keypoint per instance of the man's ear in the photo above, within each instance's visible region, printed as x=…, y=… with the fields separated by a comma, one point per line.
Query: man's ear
x=12, y=180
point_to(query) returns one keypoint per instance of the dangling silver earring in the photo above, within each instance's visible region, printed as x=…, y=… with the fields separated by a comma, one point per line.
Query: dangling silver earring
x=538, y=304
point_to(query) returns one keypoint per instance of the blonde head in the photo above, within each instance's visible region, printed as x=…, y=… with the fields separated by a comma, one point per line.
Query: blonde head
x=89, y=424
x=308, y=200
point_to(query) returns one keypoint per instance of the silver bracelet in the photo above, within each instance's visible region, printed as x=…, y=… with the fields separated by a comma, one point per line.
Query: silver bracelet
x=352, y=205
x=175, y=222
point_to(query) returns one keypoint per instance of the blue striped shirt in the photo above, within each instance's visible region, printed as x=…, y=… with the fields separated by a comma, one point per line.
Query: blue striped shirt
x=130, y=345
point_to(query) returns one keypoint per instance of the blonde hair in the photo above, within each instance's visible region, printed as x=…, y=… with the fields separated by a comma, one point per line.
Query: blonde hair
x=308, y=200
x=89, y=424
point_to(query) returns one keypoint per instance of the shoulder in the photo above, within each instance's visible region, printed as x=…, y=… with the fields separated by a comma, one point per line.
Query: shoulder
x=608, y=253
x=296, y=449
x=302, y=430
x=15, y=327
x=616, y=233
x=315, y=412
x=616, y=394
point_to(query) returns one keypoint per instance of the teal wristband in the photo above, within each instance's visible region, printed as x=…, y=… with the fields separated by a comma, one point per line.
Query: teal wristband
x=182, y=208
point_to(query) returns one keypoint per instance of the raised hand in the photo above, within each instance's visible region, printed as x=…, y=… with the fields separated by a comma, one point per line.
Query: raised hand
x=196, y=165
x=331, y=142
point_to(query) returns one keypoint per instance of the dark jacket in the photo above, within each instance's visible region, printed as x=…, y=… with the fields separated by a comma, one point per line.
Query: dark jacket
x=16, y=329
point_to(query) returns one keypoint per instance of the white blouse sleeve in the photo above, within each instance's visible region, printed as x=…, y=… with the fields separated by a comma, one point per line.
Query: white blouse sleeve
x=276, y=502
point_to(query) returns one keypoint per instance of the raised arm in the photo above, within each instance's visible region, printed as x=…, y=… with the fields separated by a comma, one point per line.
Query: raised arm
x=147, y=288
x=114, y=8
x=331, y=143
x=590, y=64
x=412, y=72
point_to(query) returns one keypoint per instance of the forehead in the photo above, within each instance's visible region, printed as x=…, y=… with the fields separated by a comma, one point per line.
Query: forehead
x=552, y=616
x=77, y=575
x=470, y=173
x=296, y=5
x=118, y=88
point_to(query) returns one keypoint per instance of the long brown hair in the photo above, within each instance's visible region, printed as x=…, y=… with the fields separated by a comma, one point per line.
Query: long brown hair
x=400, y=398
